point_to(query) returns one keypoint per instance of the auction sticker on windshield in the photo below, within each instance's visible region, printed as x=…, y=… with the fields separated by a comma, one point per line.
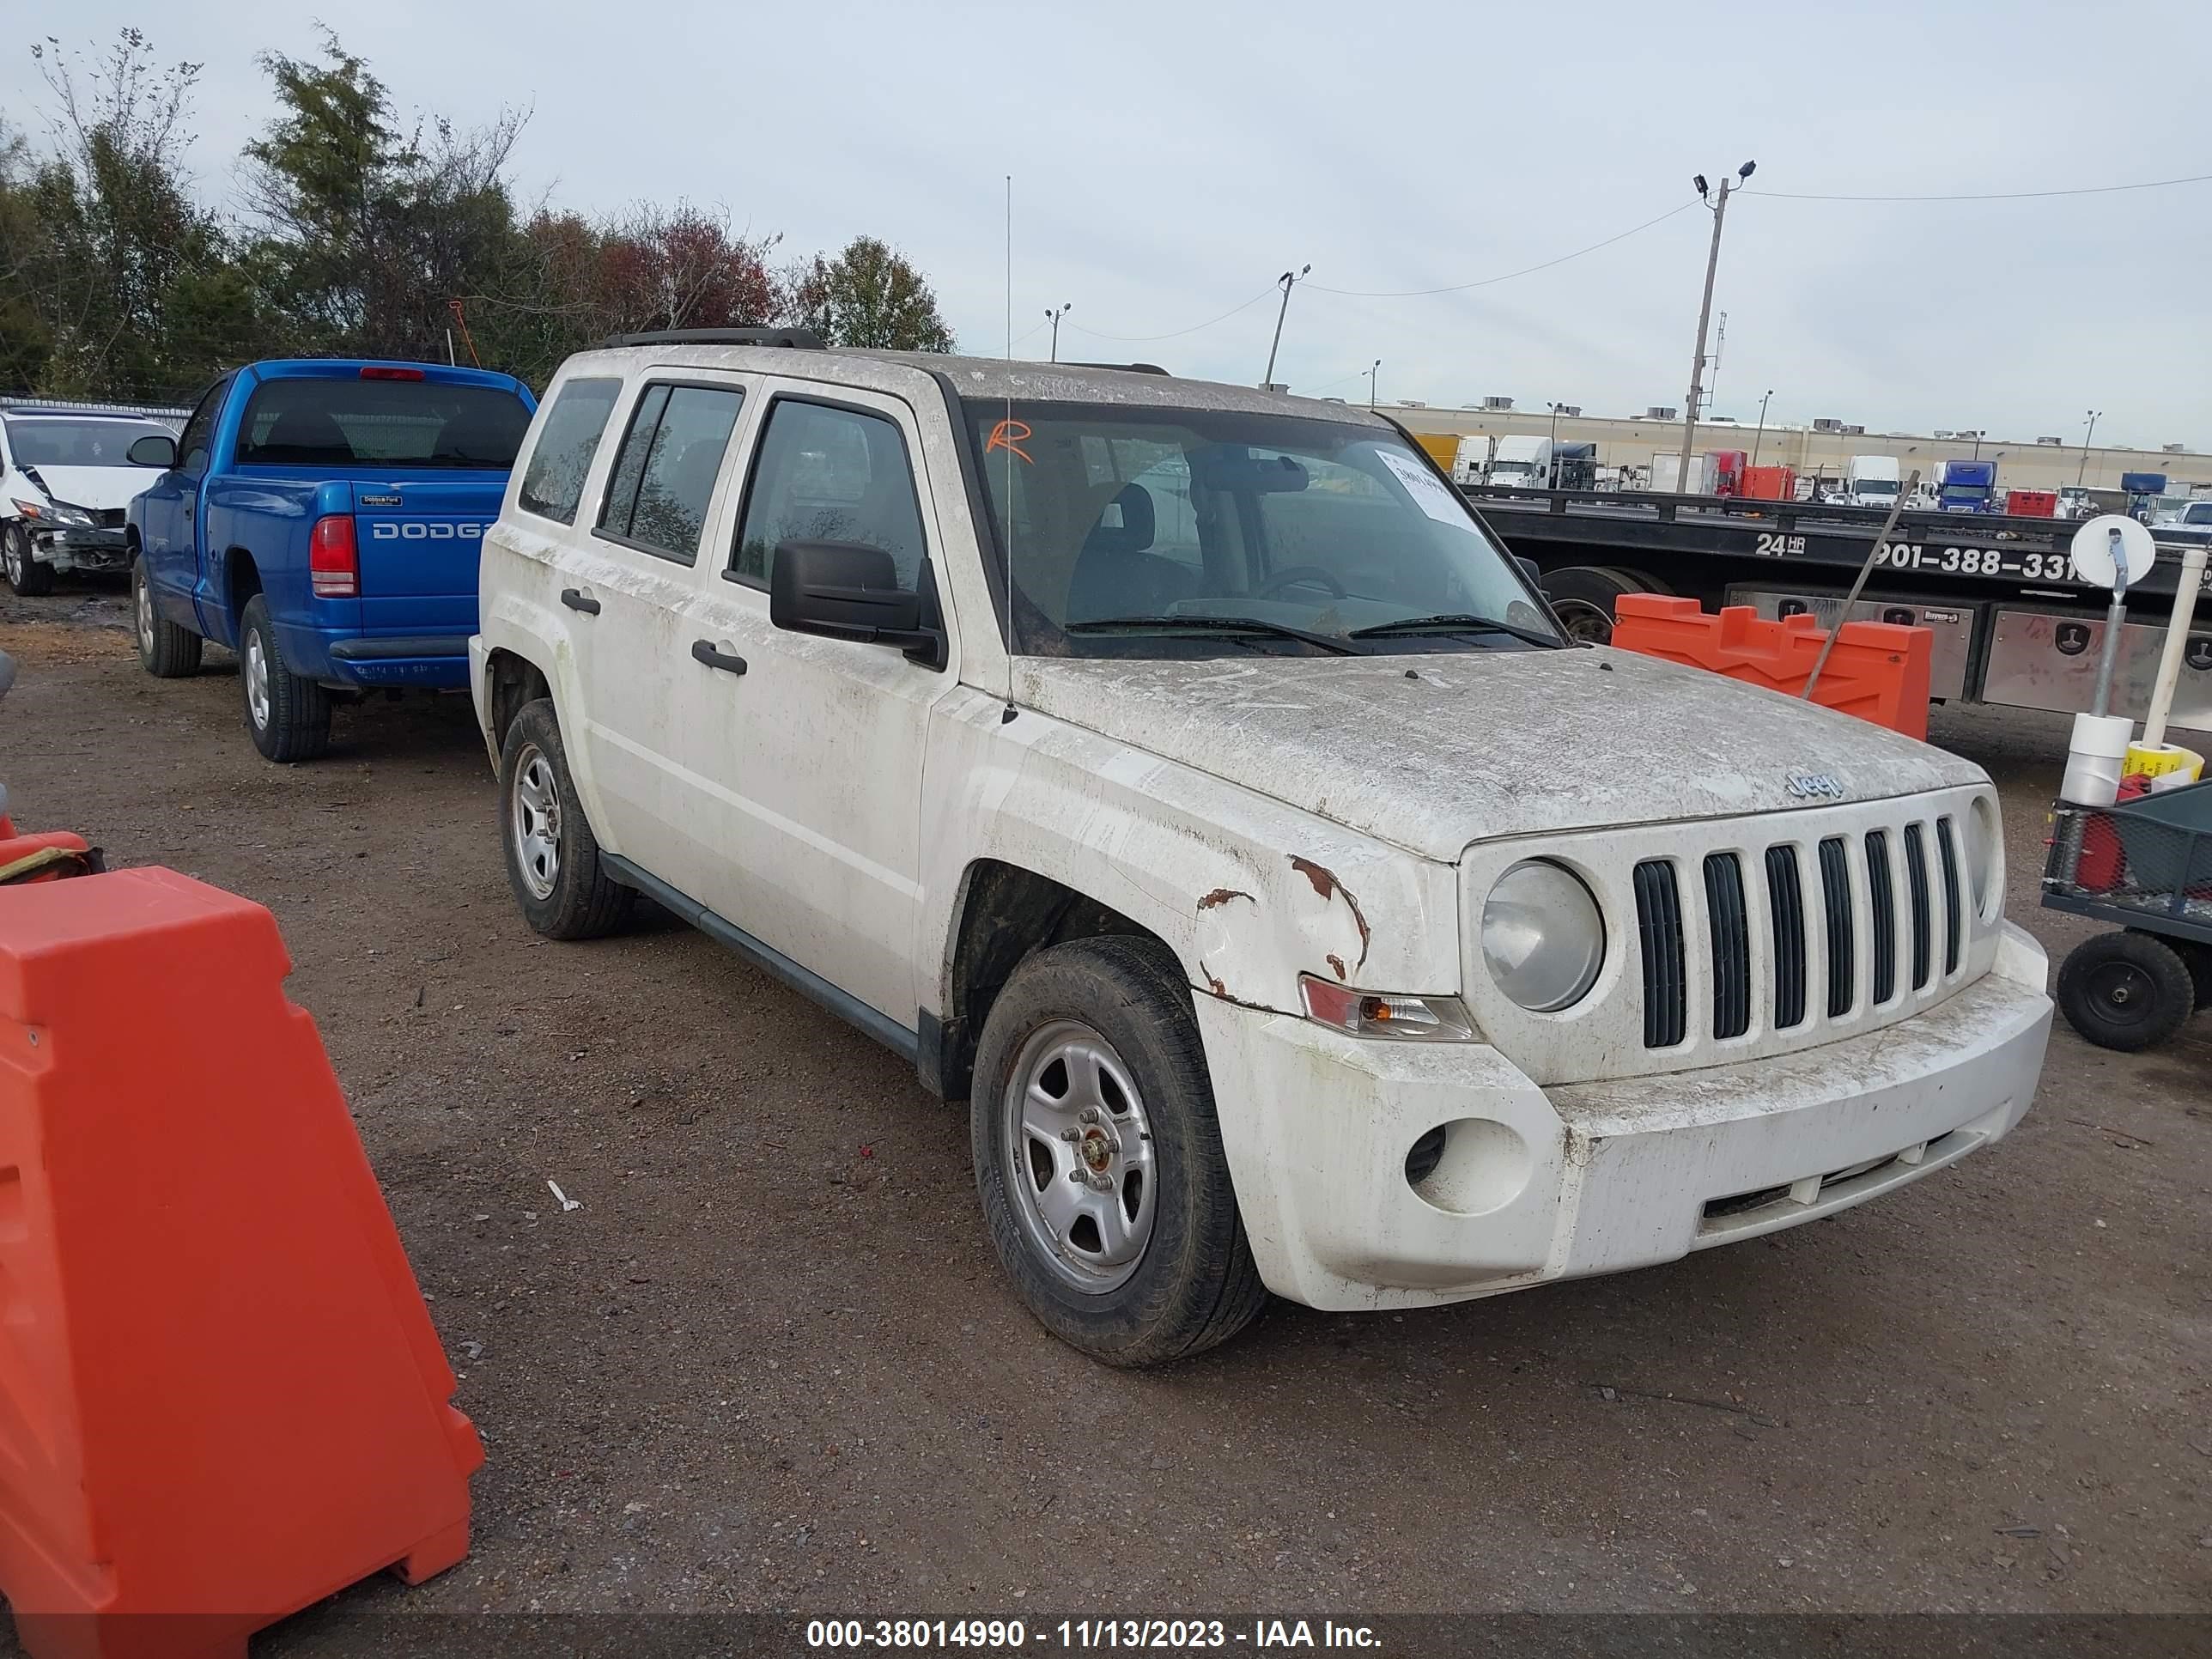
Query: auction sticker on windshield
x=1430, y=497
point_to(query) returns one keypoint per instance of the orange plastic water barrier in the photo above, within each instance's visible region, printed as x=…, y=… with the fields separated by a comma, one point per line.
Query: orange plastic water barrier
x=1878, y=670
x=221, y=1395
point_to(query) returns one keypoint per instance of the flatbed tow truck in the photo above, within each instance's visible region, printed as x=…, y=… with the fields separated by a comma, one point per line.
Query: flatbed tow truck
x=2012, y=624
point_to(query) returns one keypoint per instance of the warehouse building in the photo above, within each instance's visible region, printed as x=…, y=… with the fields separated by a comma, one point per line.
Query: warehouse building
x=1823, y=449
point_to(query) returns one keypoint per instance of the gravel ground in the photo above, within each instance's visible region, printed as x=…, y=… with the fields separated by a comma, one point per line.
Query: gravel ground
x=770, y=1364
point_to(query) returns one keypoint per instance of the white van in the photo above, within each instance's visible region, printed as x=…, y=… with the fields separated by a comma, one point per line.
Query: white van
x=1179, y=774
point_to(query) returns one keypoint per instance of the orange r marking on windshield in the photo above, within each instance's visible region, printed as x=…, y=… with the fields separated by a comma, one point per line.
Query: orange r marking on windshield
x=1008, y=435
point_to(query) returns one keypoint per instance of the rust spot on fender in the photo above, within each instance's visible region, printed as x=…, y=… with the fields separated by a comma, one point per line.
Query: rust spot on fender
x=1326, y=883
x=1222, y=896
x=1335, y=961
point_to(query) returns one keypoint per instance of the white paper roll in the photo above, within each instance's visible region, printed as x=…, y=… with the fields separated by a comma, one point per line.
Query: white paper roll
x=2101, y=734
x=2091, y=779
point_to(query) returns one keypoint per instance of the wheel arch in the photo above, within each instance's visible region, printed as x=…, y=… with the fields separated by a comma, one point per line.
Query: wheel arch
x=511, y=682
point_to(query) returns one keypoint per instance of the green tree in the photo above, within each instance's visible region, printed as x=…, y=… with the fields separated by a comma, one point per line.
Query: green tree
x=869, y=295
x=368, y=235
x=116, y=281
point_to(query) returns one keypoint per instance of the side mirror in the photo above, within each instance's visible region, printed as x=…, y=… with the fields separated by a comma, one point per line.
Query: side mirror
x=845, y=590
x=154, y=450
x=1529, y=569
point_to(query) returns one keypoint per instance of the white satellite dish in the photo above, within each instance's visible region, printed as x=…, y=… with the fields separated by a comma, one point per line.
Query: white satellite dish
x=2112, y=550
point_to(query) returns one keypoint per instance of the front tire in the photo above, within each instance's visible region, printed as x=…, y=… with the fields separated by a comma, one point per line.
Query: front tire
x=1098, y=1157
x=553, y=861
x=30, y=579
x=164, y=650
x=288, y=717
x=2125, y=991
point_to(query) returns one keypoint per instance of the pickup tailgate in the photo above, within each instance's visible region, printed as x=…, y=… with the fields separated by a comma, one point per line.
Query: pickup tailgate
x=418, y=538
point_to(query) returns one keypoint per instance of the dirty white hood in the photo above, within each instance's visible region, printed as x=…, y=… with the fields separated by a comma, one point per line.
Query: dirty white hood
x=97, y=486
x=1485, y=744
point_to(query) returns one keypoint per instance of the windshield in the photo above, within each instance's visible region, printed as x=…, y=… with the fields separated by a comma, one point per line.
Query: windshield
x=327, y=422
x=79, y=443
x=1875, y=486
x=2198, y=512
x=1109, y=514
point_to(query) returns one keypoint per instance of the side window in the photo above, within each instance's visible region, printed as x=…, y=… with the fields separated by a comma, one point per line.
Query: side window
x=829, y=475
x=553, y=483
x=198, y=435
x=664, y=473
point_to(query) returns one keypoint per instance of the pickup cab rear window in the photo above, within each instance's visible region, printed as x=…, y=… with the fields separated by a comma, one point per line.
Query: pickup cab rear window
x=382, y=423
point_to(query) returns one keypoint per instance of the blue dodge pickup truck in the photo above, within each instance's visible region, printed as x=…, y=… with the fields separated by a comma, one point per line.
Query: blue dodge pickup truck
x=322, y=517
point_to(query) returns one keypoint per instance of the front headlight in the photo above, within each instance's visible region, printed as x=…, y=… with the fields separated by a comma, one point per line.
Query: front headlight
x=59, y=512
x=1985, y=854
x=1543, y=936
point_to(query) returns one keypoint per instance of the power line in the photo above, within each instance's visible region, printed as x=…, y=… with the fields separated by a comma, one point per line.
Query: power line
x=1989, y=196
x=1146, y=339
x=1485, y=281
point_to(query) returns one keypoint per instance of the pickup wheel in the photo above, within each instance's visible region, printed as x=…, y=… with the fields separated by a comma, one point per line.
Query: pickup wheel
x=552, y=857
x=26, y=575
x=164, y=650
x=2125, y=991
x=289, y=718
x=1098, y=1157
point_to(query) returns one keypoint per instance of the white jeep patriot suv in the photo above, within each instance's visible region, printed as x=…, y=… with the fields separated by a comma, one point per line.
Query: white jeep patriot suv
x=1183, y=776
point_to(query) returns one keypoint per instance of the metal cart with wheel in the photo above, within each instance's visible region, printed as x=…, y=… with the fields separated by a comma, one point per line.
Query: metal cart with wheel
x=2147, y=865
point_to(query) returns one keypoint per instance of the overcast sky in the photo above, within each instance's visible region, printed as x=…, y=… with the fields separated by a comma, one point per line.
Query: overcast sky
x=1169, y=160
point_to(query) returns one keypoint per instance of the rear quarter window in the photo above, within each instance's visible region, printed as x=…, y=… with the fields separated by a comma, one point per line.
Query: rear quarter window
x=428, y=425
x=553, y=483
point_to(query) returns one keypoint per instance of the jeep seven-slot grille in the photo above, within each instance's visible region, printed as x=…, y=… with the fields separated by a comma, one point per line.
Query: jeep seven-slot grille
x=1785, y=903
x=1659, y=929
x=1766, y=983
x=1730, y=924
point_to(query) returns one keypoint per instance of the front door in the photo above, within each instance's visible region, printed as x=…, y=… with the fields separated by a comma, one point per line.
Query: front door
x=169, y=515
x=811, y=761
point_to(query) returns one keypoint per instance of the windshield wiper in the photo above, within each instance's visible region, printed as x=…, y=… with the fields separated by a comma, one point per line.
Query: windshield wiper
x=1332, y=643
x=1454, y=622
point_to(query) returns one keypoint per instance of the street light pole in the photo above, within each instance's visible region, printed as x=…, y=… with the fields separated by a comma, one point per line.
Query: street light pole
x=1287, y=281
x=1705, y=318
x=1055, y=316
x=2085, y=436
x=1761, y=432
x=1551, y=454
x=1979, y=436
x=1372, y=373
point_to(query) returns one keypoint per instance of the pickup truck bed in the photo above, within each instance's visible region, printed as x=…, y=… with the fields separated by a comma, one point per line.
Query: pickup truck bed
x=344, y=504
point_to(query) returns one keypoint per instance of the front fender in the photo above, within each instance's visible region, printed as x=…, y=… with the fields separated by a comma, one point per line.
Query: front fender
x=1248, y=892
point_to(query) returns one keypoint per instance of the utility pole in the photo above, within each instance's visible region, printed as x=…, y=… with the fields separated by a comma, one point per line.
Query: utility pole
x=1979, y=436
x=1704, y=317
x=2085, y=436
x=1372, y=373
x=1287, y=281
x=1551, y=456
x=1761, y=432
x=1054, y=316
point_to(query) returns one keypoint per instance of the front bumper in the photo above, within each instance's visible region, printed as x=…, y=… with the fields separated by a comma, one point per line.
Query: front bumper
x=1538, y=1184
x=65, y=548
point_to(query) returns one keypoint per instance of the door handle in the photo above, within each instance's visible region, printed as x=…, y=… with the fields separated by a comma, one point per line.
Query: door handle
x=576, y=601
x=704, y=650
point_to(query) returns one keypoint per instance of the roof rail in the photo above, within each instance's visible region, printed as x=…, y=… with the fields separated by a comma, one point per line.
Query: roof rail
x=1126, y=368
x=797, y=339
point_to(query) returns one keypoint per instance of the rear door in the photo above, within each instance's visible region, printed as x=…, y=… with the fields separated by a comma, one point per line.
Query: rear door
x=640, y=564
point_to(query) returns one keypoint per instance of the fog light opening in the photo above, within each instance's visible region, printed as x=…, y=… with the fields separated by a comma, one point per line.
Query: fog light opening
x=1427, y=1152
x=1475, y=1165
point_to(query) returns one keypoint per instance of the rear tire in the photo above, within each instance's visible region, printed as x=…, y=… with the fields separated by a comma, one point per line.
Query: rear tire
x=2125, y=991
x=164, y=650
x=289, y=718
x=553, y=861
x=1583, y=595
x=1190, y=1281
x=30, y=579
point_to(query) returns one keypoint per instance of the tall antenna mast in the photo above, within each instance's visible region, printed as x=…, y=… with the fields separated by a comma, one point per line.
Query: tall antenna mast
x=1006, y=508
